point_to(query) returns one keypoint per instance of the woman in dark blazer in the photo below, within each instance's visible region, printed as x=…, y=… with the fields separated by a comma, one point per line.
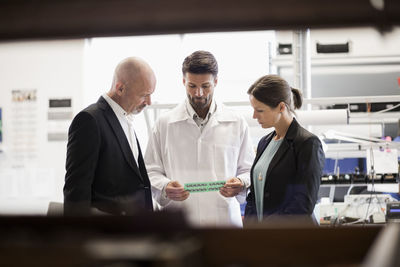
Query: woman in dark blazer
x=285, y=176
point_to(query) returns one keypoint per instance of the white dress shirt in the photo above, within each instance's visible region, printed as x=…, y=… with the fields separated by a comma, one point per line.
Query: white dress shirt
x=126, y=121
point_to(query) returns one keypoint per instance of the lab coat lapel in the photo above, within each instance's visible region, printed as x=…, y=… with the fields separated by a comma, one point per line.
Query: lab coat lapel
x=221, y=115
x=121, y=137
x=211, y=123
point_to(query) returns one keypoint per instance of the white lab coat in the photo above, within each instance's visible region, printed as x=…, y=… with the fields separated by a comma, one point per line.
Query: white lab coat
x=178, y=150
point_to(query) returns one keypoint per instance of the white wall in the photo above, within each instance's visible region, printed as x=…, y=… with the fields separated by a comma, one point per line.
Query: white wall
x=55, y=70
x=242, y=58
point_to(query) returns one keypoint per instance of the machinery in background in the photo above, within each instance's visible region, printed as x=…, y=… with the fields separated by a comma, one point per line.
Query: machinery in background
x=393, y=212
x=368, y=208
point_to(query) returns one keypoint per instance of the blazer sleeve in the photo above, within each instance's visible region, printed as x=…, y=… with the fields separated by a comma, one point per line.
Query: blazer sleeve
x=310, y=161
x=82, y=155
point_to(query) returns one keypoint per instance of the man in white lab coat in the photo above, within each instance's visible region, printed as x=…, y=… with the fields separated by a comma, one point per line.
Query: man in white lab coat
x=201, y=141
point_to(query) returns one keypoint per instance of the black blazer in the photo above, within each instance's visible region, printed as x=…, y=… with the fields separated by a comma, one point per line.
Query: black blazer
x=293, y=176
x=101, y=169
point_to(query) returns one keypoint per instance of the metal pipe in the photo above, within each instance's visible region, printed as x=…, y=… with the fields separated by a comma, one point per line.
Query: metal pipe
x=302, y=62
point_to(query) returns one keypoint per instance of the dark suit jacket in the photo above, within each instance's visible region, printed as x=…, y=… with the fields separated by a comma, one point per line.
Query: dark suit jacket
x=293, y=176
x=101, y=170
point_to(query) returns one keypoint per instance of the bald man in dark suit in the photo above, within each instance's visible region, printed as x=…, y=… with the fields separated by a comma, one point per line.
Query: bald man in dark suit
x=105, y=171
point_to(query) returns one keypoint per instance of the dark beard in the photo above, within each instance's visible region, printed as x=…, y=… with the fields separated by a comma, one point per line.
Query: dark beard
x=199, y=106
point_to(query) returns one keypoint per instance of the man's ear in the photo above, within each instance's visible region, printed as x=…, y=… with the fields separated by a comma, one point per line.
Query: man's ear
x=215, y=81
x=184, y=81
x=119, y=88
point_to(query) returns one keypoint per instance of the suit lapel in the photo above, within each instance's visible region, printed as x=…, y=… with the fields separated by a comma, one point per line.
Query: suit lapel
x=120, y=135
x=142, y=167
x=260, y=150
x=278, y=155
x=264, y=146
x=285, y=145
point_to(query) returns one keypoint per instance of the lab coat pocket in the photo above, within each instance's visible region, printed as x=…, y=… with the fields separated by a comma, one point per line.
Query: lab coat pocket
x=225, y=161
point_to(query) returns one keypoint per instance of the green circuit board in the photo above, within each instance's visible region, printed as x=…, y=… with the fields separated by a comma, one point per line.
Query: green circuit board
x=204, y=186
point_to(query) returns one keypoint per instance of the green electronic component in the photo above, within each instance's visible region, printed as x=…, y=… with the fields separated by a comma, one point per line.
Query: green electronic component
x=204, y=186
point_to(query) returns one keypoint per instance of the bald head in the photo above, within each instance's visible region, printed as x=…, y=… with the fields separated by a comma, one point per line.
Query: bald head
x=128, y=70
x=133, y=83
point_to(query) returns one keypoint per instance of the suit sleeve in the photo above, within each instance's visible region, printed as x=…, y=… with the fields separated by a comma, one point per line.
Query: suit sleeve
x=304, y=191
x=155, y=167
x=82, y=155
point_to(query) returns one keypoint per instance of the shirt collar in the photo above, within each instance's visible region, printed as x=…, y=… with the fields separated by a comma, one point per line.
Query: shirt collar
x=192, y=113
x=118, y=110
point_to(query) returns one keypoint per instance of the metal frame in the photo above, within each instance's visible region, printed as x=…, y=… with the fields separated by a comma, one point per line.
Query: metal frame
x=26, y=19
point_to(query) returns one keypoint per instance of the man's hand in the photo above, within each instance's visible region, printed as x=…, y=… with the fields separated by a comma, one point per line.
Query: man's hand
x=175, y=191
x=232, y=187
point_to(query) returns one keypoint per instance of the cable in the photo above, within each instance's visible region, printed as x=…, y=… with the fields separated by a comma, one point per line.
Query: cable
x=336, y=169
x=337, y=220
x=372, y=173
x=355, y=222
x=384, y=110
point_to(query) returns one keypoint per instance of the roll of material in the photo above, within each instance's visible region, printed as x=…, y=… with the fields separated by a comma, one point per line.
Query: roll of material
x=312, y=117
x=323, y=117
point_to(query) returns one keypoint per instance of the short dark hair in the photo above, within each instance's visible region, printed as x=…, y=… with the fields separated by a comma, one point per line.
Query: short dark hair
x=272, y=89
x=200, y=62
